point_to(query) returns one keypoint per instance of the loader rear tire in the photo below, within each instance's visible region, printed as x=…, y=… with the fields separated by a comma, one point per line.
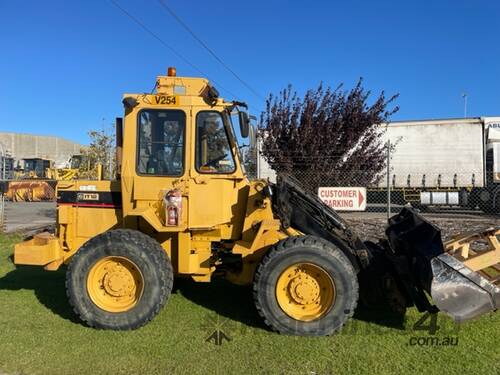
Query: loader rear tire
x=305, y=286
x=119, y=280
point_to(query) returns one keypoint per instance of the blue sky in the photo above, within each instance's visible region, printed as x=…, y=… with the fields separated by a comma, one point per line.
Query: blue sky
x=65, y=64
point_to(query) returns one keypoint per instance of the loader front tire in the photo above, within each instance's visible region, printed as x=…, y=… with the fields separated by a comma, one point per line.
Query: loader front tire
x=305, y=286
x=119, y=280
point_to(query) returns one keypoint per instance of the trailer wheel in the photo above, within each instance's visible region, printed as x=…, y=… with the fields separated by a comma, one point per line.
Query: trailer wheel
x=305, y=286
x=119, y=280
x=487, y=199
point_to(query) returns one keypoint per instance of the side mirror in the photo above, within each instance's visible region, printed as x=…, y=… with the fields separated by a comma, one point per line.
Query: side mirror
x=244, y=123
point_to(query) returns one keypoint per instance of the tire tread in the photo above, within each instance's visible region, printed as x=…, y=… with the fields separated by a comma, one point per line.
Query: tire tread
x=306, y=241
x=141, y=240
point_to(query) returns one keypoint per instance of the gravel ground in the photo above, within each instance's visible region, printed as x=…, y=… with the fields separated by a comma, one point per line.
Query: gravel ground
x=32, y=216
x=373, y=227
x=29, y=216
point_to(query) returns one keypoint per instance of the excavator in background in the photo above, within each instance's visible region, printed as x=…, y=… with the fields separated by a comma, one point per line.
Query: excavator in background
x=182, y=206
x=39, y=168
x=31, y=182
x=37, y=179
x=32, y=168
x=68, y=171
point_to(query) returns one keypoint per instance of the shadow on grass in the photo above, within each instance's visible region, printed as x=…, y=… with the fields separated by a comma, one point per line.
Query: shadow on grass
x=49, y=288
x=236, y=303
x=381, y=316
x=220, y=296
x=225, y=299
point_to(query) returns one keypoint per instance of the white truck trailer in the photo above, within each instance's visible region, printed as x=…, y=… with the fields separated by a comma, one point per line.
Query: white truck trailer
x=452, y=162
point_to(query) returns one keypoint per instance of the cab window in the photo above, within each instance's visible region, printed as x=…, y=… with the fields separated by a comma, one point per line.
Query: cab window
x=161, y=142
x=213, y=149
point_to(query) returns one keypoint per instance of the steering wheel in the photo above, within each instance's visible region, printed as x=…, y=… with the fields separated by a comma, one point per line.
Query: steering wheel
x=213, y=162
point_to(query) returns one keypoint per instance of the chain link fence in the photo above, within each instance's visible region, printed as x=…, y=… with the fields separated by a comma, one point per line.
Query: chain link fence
x=3, y=184
x=384, y=196
x=428, y=190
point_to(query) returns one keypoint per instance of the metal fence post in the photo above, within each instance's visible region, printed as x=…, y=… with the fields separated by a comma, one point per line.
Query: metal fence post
x=2, y=196
x=388, y=179
x=2, y=212
x=4, y=154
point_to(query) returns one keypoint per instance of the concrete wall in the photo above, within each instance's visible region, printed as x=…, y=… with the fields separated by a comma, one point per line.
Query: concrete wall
x=21, y=146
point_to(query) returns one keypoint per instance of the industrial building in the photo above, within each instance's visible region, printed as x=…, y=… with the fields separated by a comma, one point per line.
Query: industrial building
x=24, y=146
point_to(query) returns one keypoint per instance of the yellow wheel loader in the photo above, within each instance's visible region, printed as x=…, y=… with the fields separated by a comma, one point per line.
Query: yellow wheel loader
x=182, y=206
x=36, y=181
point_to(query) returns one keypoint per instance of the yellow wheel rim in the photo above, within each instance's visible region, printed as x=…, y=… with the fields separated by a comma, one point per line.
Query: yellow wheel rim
x=305, y=292
x=115, y=284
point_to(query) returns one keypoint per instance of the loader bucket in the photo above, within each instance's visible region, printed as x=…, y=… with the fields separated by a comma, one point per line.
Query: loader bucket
x=460, y=292
x=466, y=281
x=462, y=282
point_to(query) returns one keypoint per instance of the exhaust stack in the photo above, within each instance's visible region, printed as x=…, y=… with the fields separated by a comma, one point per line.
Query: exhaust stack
x=119, y=146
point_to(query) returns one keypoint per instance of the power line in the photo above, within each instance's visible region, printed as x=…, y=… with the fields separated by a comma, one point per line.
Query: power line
x=166, y=45
x=204, y=45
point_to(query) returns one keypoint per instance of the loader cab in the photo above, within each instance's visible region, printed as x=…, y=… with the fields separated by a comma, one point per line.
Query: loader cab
x=75, y=161
x=35, y=167
x=182, y=138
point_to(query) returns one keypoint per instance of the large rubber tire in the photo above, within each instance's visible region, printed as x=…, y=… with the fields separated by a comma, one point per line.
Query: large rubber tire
x=309, y=250
x=152, y=262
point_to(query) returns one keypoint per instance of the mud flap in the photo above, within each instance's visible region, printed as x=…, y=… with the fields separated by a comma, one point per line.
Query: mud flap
x=461, y=292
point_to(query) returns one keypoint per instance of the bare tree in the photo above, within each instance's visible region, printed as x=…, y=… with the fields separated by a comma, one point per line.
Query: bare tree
x=328, y=137
x=100, y=151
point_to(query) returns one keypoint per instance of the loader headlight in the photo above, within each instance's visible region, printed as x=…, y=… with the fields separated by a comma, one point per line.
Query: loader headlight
x=129, y=102
x=267, y=191
x=264, y=189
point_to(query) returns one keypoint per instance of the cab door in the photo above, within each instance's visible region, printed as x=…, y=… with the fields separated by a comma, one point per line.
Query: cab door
x=161, y=157
x=217, y=184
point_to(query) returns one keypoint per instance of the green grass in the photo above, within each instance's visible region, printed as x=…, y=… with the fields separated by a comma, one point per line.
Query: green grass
x=40, y=335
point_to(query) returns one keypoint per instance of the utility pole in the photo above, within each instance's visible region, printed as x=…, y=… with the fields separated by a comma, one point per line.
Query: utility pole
x=464, y=96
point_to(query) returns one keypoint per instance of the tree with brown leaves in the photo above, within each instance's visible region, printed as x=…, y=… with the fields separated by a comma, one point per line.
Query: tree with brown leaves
x=328, y=137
